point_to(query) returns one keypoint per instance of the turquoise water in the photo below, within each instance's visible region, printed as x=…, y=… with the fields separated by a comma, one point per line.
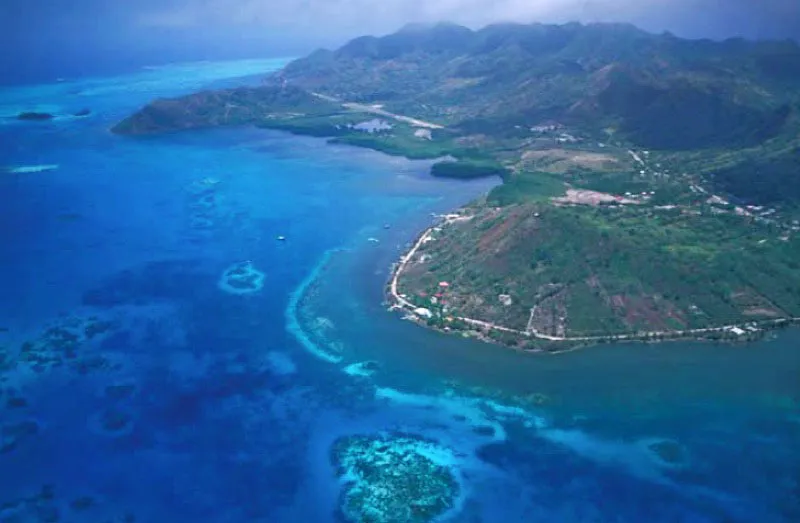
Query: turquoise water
x=135, y=386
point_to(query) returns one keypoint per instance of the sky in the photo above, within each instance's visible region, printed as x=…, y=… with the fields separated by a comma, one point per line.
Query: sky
x=40, y=36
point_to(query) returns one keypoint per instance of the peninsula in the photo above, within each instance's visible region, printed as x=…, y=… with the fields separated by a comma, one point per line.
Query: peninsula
x=649, y=189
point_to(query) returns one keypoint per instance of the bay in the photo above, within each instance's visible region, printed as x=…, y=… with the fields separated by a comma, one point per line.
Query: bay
x=135, y=384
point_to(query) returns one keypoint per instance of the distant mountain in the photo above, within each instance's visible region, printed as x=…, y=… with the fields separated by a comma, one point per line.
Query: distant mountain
x=655, y=91
x=658, y=91
x=650, y=183
x=242, y=105
x=731, y=107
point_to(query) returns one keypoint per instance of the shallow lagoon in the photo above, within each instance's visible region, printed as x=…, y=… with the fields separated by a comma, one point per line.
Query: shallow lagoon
x=150, y=392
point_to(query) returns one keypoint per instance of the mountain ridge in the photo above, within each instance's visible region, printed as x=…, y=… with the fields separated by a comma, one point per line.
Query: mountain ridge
x=650, y=183
x=463, y=75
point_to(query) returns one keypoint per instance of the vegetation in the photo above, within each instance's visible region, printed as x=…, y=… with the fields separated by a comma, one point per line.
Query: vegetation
x=466, y=169
x=325, y=125
x=656, y=91
x=610, y=270
x=634, y=168
x=492, y=86
x=764, y=180
x=526, y=186
x=242, y=105
x=400, y=142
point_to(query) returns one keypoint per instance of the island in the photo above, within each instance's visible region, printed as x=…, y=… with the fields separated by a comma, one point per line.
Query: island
x=649, y=183
x=35, y=116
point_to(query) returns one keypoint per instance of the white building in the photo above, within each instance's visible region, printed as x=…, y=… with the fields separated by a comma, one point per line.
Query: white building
x=423, y=312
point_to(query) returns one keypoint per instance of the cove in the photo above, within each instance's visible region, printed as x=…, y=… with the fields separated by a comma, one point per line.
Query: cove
x=135, y=387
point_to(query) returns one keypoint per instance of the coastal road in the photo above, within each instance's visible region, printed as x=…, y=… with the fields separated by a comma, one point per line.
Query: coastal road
x=648, y=334
x=425, y=237
x=402, y=302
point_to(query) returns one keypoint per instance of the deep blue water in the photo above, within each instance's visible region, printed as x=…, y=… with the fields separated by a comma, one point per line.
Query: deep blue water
x=195, y=403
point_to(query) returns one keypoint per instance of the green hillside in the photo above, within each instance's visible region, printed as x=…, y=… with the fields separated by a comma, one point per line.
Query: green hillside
x=650, y=183
x=658, y=91
x=243, y=105
x=600, y=271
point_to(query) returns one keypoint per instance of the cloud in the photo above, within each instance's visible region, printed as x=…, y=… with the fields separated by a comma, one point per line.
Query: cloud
x=317, y=18
x=364, y=14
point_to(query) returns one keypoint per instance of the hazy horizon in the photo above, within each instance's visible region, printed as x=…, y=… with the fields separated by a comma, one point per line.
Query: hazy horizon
x=47, y=40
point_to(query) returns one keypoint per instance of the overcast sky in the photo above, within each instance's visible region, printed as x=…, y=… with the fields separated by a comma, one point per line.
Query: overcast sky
x=353, y=17
x=37, y=32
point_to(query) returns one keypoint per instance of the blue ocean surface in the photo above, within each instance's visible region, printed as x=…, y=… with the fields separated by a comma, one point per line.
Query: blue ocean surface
x=193, y=328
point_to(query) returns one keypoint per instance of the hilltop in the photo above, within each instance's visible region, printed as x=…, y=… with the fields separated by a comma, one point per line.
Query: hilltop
x=657, y=91
x=731, y=106
x=649, y=188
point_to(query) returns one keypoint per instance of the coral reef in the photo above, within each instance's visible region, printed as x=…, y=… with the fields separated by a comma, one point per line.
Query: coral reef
x=668, y=452
x=10, y=397
x=119, y=391
x=199, y=222
x=61, y=343
x=112, y=422
x=394, y=478
x=528, y=401
x=362, y=369
x=30, y=169
x=115, y=420
x=12, y=434
x=38, y=508
x=242, y=278
x=202, y=202
x=280, y=363
x=45, y=506
x=16, y=402
x=484, y=430
x=7, y=363
x=34, y=116
x=82, y=503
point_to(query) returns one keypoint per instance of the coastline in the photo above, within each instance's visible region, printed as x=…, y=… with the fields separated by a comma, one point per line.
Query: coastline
x=397, y=302
x=234, y=371
x=529, y=340
x=482, y=329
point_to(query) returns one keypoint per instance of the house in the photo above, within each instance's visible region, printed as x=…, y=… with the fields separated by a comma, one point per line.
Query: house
x=423, y=312
x=737, y=331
